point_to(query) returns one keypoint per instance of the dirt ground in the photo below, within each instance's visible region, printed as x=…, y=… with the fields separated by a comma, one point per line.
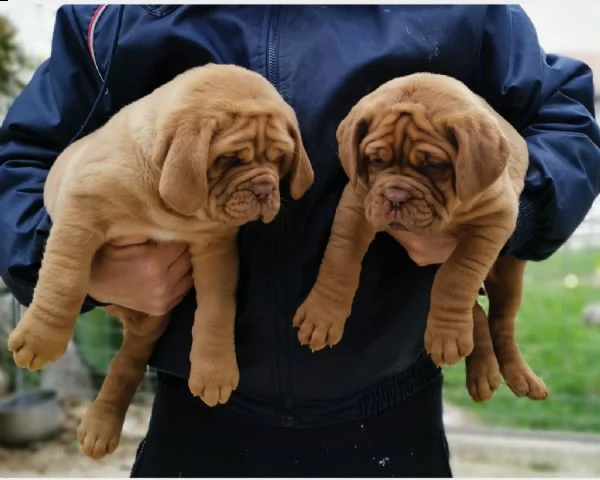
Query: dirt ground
x=60, y=459
x=61, y=456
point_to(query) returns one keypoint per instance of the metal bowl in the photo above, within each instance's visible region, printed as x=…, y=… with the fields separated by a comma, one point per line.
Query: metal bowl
x=30, y=416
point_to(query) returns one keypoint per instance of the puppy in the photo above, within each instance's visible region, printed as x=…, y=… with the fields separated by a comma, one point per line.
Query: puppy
x=426, y=155
x=192, y=161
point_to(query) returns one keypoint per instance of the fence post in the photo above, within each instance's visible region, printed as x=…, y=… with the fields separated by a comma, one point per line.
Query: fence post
x=16, y=315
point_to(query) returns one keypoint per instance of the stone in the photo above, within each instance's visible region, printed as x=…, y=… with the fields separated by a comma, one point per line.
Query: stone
x=591, y=315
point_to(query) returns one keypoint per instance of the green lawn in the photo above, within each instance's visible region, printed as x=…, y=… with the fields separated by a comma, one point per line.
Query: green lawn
x=558, y=345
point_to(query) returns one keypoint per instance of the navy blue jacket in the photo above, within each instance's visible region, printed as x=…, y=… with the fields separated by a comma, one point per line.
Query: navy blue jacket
x=322, y=59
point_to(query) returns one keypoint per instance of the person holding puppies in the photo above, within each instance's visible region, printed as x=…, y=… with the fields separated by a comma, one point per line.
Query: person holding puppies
x=371, y=406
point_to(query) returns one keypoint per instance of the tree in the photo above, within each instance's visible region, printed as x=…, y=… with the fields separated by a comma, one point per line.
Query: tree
x=14, y=65
x=14, y=62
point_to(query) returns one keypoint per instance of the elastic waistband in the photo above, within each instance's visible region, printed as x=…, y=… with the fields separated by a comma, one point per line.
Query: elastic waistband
x=381, y=395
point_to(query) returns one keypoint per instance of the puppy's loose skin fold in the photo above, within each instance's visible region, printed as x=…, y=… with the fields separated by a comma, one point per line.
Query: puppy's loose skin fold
x=426, y=155
x=192, y=161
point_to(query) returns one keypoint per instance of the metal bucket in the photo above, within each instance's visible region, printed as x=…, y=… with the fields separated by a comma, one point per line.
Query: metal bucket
x=26, y=417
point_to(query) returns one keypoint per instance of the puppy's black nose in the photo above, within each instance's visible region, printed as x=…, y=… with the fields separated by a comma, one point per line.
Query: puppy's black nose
x=397, y=196
x=262, y=190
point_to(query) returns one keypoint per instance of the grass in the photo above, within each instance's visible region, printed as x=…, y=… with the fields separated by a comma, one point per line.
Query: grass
x=559, y=347
x=97, y=336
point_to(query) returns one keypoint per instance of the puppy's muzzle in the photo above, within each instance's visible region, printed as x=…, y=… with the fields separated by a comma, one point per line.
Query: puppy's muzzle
x=397, y=197
x=262, y=190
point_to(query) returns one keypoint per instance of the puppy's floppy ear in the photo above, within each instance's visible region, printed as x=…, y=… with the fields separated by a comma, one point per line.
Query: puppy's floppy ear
x=301, y=172
x=350, y=133
x=482, y=152
x=183, y=181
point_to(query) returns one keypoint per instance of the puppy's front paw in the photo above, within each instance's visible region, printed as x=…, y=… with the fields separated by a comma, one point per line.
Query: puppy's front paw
x=448, y=342
x=523, y=382
x=319, y=324
x=483, y=376
x=99, y=431
x=213, y=379
x=34, y=343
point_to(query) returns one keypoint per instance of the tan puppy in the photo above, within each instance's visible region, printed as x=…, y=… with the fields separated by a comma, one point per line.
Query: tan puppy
x=192, y=161
x=426, y=155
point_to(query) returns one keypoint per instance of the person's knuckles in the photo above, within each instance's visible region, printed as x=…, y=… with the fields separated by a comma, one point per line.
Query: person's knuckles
x=161, y=292
x=162, y=306
x=154, y=268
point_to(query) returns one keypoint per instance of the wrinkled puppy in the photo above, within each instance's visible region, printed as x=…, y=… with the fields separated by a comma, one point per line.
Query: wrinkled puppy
x=426, y=155
x=192, y=161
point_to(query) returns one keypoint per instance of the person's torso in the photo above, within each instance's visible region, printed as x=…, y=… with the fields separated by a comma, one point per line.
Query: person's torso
x=321, y=59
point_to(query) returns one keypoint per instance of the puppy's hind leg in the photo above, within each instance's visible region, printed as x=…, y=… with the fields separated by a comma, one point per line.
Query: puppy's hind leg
x=42, y=334
x=505, y=289
x=139, y=323
x=100, y=428
x=483, y=373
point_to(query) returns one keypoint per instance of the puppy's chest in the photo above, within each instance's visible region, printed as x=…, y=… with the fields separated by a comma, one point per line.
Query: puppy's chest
x=161, y=235
x=152, y=232
x=163, y=227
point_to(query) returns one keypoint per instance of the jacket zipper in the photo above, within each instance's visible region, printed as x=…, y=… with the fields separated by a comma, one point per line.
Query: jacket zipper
x=272, y=74
x=273, y=46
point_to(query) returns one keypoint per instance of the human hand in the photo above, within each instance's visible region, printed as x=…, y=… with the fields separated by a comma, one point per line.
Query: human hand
x=142, y=275
x=425, y=249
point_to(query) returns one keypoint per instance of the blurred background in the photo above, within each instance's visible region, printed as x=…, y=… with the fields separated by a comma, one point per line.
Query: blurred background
x=558, y=325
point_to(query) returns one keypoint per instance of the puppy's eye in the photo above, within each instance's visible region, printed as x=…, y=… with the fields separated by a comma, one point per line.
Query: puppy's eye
x=433, y=165
x=228, y=162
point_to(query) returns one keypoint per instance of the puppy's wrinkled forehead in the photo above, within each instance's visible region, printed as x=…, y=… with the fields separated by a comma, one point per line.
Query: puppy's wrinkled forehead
x=412, y=112
x=230, y=89
x=407, y=135
x=247, y=112
x=256, y=135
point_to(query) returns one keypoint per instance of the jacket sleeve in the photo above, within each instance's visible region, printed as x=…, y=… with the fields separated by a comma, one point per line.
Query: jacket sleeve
x=39, y=125
x=550, y=100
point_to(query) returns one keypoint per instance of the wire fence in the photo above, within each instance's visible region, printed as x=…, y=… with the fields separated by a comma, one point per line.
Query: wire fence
x=80, y=372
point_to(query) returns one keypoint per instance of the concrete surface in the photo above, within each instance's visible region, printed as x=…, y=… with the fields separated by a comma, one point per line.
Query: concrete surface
x=482, y=451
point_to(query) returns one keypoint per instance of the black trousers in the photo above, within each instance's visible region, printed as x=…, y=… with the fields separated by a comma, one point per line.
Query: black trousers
x=188, y=439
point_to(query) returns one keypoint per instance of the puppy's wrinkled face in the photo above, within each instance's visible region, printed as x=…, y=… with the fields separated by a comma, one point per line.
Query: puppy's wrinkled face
x=409, y=174
x=249, y=157
x=421, y=145
x=226, y=145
